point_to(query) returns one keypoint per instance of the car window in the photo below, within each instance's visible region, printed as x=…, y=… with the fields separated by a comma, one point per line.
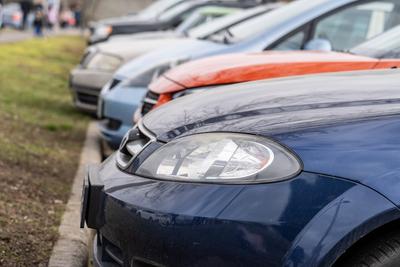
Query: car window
x=269, y=21
x=358, y=23
x=293, y=42
x=386, y=45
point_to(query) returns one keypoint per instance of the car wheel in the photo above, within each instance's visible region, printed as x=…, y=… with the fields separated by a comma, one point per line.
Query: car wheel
x=382, y=250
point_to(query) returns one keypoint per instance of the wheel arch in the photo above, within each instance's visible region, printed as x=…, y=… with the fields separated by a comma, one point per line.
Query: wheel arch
x=332, y=233
x=390, y=226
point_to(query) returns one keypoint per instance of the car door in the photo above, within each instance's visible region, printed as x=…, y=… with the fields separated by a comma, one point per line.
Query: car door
x=345, y=27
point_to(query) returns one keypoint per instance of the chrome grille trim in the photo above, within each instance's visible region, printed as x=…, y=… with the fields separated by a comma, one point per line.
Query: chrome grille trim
x=125, y=160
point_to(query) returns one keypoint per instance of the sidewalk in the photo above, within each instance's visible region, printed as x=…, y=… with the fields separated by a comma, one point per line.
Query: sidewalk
x=12, y=36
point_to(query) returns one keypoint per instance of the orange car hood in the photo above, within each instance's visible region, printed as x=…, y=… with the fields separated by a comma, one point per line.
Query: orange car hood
x=236, y=68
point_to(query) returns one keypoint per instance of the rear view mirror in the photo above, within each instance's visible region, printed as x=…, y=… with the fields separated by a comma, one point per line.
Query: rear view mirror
x=318, y=45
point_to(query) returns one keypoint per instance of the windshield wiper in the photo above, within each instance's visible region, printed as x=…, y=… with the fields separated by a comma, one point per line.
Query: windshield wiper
x=228, y=36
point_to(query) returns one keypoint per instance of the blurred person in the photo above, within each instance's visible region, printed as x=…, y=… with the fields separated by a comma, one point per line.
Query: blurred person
x=26, y=7
x=38, y=18
x=66, y=18
x=52, y=17
x=76, y=9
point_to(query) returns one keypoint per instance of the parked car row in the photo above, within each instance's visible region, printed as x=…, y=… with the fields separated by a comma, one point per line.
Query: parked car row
x=245, y=134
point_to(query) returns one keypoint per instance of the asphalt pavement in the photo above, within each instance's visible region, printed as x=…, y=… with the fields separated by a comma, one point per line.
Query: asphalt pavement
x=12, y=36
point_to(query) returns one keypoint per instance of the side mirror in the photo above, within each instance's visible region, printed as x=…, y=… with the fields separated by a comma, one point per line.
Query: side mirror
x=318, y=45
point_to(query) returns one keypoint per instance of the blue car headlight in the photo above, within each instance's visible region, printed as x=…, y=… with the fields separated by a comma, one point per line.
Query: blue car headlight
x=221, y=158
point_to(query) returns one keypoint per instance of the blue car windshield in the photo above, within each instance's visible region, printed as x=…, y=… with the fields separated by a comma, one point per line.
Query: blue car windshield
x=256, y=26
x=385, y=45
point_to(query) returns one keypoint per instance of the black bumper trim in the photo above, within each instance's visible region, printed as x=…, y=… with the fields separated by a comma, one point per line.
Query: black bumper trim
x=92, y=199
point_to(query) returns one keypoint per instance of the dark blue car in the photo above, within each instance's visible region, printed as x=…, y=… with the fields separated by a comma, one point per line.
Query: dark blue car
x=289, y=172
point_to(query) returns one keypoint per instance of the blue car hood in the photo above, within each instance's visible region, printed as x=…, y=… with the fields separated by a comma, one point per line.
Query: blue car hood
x=186, y=50
x=344, y=125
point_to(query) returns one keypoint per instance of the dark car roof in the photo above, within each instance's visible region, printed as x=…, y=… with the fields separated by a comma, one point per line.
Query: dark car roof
x=280, y=105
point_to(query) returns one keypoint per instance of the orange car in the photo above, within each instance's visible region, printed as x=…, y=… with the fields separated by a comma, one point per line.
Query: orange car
x=209, y=73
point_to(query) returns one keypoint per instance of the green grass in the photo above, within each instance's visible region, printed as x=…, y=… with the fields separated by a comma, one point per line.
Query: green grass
x=41, y=135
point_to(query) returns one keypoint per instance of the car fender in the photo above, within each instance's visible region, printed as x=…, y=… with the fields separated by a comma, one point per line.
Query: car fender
x=339, y=225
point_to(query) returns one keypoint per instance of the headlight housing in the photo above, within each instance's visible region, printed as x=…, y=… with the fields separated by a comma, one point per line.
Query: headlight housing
x=103, y=30
x=221, y=158
x=105, y=62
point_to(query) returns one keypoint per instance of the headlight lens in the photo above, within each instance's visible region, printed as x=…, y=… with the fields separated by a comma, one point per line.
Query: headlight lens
x=104, y=62
x=103, y=30
x=221, y=158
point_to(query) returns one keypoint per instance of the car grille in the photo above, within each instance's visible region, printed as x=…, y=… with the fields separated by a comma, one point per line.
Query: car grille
x=87, y=98
x=138, y=135
x=110, y=252
x=113, y=256
x=149, y=102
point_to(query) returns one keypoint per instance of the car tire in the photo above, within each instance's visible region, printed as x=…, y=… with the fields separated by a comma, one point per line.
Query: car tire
x=382, y=250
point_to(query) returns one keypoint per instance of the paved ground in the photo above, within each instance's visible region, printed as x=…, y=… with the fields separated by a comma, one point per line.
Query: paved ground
x=74, y=245
x=8, y=36
x=12, y=36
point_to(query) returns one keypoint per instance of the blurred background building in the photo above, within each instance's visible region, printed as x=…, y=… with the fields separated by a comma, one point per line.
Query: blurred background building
x=98, y=9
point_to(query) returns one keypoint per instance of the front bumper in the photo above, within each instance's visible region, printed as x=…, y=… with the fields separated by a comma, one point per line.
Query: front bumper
x=161, y=223
x=117, y=106
x=86, y=86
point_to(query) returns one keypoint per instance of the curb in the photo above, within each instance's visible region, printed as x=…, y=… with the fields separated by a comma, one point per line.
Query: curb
x=71, y=249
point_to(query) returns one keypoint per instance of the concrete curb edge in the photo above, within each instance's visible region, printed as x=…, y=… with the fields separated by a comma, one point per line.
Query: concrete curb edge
x=71, y=249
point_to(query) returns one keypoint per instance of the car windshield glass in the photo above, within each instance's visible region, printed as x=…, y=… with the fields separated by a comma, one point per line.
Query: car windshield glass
x=189, y=23
x=202, y=16
x=386, y=45
x=219, y=24
x=177, y=10
x=154, y=10
x=266, y=22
